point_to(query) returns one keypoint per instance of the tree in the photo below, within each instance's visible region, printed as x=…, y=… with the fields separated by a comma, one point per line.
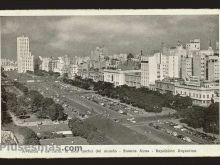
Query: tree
x=3, y=73
x=21, y=110
x=36, y=100
x=5, y=117
x=78, y=128
x=37, y=63
x=81, y=128
x=52, y=112
x=12, y=102
x=130, y=56
x=65, y=76
x=60, y=109
x=21, y=87
x=47, y=102
x=211, y=118
x=30, y=137
x=181, y=102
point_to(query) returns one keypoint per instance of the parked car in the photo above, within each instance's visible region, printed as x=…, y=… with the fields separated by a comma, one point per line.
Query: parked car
x=23, y=116
x=187, y=139
x=174, y=134
x=178, y=126
x=180, y=136
x=183, y=129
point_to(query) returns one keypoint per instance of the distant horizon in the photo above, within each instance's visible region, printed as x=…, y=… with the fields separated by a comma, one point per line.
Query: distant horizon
x=79, y=35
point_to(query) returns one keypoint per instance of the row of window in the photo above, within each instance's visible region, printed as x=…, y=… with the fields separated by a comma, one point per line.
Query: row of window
x=195, y=95
x=204, y=101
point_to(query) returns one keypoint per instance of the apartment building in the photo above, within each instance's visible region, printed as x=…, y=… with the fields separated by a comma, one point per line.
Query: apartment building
x=25, y=59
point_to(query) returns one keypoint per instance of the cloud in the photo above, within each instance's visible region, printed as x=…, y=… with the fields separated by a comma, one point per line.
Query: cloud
x=9, y=27
x=90, y=29
x=55, y=35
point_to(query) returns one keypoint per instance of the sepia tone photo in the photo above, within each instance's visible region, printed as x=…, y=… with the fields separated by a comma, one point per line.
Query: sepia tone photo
x=110, y=80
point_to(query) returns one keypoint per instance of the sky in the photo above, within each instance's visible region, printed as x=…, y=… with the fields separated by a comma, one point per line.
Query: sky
x=79, y=35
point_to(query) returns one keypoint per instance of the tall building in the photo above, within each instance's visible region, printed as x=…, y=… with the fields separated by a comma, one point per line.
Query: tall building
x=73, y=70
x=172, y=66
x=24, y=58
x=167, y=65
x=186, y=67
x=45, y=64
x=64, y=64
x=148, y=70
x=160, y=65
x=213, y=68
x=54, y=65
x=199, y=66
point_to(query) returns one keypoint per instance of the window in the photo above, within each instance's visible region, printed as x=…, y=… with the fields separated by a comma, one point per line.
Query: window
x=207, y=96
x=196, y=95
x=200, y=96
x=203, y=96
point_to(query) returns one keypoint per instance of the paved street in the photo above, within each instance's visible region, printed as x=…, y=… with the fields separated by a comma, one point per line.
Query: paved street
x=73, y=99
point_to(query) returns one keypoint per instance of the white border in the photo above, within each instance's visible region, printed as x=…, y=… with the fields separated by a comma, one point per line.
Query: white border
x=201, y=150
x=109, y=12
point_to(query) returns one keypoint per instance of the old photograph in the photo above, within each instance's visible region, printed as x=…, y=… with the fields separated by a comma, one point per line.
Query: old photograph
x=110, y=80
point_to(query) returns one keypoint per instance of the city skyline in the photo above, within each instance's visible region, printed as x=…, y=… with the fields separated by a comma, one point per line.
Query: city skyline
x=79, y=35
x=110, y=80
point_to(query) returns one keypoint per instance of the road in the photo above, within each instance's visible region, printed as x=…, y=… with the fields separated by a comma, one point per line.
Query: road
x=71, y=96
x=156, y=135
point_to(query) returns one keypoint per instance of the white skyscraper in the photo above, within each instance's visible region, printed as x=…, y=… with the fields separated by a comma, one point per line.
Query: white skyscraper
x=24, y=58
x=148, y=70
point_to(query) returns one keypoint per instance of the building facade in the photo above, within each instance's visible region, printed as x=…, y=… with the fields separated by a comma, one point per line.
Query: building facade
x=167, y=85
x=24, y=58
x=213, y=68
x=194, y=45
x=148, y=70
x=54, y=65
x=186, y=67
x=9, y=65
x=117, y=77
x=73, y=70
x=45, y=64
x=133, y=79
x=202, y=93
x=199, y=66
